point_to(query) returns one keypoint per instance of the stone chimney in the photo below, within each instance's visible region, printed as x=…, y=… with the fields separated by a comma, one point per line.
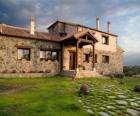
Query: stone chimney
x=109, y=27
x=32, y=25
x=0, y=28
x=97, y=23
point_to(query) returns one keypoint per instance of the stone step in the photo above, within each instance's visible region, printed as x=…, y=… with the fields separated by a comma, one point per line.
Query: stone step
x=71, y=73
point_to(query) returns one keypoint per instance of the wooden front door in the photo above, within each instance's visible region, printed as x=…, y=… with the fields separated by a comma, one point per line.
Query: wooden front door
x=72, y=61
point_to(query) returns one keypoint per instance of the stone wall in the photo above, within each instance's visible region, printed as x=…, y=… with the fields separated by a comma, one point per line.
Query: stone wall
x=9, y=62
x=115, y=62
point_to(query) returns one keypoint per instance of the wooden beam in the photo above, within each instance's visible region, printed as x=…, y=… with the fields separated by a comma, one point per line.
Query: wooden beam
x=86, y=41
x=62, y=56
x=93, y=56
x=77, y=53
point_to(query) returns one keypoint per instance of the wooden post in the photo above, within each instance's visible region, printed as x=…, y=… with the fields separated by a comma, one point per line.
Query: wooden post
x=76, y=59
x=62, y=56
x=93, y=55
x=77, y=53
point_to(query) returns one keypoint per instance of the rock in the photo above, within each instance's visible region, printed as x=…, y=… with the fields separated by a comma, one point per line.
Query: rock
x=133, y=112
x=131, y=100
x=134, y=104
x=112, y=97
x=110, y=107
x=121, y=102
x=137, y=88
x=121, y=96
x=103, y=114
x=90, y=111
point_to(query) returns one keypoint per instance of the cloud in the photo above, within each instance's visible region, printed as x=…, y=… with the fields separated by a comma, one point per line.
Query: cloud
x=124, y=15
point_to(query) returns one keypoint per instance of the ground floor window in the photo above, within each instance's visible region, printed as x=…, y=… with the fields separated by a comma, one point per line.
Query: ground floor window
x=105, y=59
x=95, y=58
x=48, y=55
x=87, y=56
x=24, y=53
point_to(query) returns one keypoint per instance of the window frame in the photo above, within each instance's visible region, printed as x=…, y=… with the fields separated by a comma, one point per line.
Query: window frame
x=86, y=57
x=106, y=40
x=51, y=53
x=95, y=59
x=23, y=53
x=105, y=59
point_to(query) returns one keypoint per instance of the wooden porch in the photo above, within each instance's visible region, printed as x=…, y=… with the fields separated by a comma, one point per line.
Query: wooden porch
x=78, y=40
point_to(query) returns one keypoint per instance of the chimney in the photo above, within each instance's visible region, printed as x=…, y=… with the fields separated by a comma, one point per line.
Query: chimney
x=97, y=23
x=109, y=27
x=32, y=25
x=0, y=28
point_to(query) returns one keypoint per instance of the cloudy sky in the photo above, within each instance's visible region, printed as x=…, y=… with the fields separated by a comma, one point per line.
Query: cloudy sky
x=123, y=14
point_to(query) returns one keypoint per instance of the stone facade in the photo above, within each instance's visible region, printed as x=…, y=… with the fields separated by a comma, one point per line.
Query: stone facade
x=9, y=62
x=55, y=40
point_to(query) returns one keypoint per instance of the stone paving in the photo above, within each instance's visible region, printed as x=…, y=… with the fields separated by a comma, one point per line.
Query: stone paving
x=110, y=99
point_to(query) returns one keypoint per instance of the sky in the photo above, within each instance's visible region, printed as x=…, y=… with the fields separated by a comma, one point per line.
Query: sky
x=123, y=14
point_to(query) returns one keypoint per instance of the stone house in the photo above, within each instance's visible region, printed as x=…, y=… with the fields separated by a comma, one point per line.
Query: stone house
x=67, y=49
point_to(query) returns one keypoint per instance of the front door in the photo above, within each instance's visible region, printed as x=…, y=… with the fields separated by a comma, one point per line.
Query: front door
x=72, y=60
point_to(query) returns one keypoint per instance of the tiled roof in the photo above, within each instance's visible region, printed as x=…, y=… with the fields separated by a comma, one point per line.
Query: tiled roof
x=25, y=33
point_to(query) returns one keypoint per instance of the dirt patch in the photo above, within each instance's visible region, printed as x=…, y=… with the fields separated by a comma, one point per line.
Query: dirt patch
x=7, y=89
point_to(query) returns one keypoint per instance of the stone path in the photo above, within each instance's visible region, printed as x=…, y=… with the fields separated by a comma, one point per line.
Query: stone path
x=110, y=100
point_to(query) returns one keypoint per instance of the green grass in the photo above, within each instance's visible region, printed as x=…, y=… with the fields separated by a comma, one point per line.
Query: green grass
x=56, y=96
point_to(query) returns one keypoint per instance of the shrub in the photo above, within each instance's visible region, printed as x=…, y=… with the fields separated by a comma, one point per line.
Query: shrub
x=84, y=89
x=137, y=88
x=120, y=75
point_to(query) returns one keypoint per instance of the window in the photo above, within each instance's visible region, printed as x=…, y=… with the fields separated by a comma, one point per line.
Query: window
x=105, y=59
x=24, y=53
x=87, y=58
x=48, y=55
x=105, y=40
x=54, y=55
x=95, y=58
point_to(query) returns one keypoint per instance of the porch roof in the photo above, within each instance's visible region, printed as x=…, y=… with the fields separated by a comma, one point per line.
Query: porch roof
x=78, y=35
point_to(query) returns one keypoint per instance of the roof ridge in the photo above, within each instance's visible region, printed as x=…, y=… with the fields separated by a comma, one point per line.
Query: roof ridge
x=11, y=26
x=76, y=24
x=21, y=28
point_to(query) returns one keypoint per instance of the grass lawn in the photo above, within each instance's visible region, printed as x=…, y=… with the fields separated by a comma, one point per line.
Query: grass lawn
x=57, y=96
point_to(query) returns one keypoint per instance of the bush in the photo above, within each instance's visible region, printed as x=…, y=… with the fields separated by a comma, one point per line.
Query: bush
x=119, y=75
x=131, y=70
x=137, y=88
x=84, y=89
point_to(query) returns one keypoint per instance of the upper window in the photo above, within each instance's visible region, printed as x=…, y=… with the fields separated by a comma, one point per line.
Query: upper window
x=24, y=53
x=46, y=55
x=105, y=40
x=105, y=59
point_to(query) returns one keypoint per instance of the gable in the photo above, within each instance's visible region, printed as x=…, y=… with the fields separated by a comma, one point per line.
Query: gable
x=86, y=35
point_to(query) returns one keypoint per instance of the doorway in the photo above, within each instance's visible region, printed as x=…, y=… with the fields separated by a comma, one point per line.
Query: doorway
x=72, y=61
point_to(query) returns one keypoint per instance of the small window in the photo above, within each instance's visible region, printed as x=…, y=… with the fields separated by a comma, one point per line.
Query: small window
x=95, y=58
x=48, y=55
x=87, y=57
x=105, y=59
x=105, y=40
x=54, y=55
x=23, y=53
x=42, y=54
